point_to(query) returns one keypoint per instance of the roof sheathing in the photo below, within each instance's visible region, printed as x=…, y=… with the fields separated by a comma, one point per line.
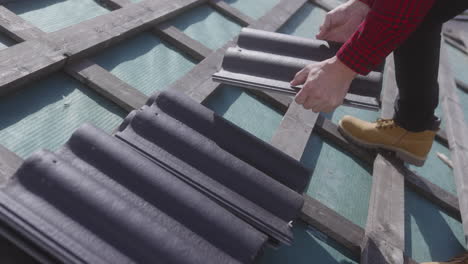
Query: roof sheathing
x=199, y=78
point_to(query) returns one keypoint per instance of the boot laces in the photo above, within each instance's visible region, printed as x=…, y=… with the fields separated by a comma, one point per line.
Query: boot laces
x=385, y=123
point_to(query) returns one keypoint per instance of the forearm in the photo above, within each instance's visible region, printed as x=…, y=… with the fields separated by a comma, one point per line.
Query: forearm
x=387, y=25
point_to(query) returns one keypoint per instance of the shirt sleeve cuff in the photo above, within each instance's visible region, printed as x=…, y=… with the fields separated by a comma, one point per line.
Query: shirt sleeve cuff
x=352, y=60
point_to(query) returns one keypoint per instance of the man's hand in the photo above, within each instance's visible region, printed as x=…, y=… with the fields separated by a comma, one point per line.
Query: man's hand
x=325, y=85
x=342, y=22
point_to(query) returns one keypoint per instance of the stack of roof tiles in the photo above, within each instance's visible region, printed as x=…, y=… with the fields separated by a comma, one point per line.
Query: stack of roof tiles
x=268, y=61
x=175, y=184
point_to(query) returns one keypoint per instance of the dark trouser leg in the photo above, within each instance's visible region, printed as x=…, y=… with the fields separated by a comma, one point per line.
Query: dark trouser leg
x=417, y=67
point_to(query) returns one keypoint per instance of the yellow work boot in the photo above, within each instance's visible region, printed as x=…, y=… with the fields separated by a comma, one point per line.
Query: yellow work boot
x=463, y=259
x=411, y=147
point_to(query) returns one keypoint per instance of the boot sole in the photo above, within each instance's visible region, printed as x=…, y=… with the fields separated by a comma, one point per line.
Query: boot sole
x=401, y=154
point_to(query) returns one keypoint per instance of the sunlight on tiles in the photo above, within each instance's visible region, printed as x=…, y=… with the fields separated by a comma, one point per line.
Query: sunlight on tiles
x=245, y=110
x=47, y=112
x=207, y=26
x=52, y=15
x=145, y=62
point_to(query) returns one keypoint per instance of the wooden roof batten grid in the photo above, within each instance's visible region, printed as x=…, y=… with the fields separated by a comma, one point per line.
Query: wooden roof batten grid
x=85, y=71
x=314, y=213
x=33, y=59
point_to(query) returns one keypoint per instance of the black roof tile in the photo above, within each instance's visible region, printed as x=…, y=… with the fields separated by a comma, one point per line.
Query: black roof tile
x=269, y=61
x=172, y=186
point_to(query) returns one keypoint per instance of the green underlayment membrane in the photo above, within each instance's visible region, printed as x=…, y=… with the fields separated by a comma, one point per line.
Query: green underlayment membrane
x=254, y=9
x=430, y=234
x=45, y=114
x=207, y=26
x=52, y=15
x=145, y=62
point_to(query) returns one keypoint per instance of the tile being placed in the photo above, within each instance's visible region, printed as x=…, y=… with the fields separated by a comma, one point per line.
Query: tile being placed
x=268, y=61
x=177, y=183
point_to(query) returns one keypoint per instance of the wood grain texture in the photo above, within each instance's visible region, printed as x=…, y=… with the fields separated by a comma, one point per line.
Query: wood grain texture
x=86, y=71
x=457, y=132
x=332, y=224
x=182, y=41
x=32, y=59
x=16, y=27
x=294, y=131
x=231, y=12
x=172, y=35
x=384, y=240
x=107, y=84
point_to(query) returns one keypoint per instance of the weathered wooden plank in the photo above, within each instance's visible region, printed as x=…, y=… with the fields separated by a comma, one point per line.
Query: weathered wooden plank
x=111, y=28
x=337, y=227
x=183, y=42
x=198, y=83
x=332, y=224
x=27, y=61
x=384, y=241
x=17, y=28
x=9, y=163
x=173, y=35
x=231, y=12
x=384, y=236
x=294, y=131
x=107, y=84
x=377, y=250
x=86, y=71
x=456, y=130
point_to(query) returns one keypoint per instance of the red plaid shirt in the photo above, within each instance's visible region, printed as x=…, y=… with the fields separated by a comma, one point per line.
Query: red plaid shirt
x=388, y=24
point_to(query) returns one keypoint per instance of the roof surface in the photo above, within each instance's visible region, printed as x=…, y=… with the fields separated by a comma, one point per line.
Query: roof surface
x=132, y=53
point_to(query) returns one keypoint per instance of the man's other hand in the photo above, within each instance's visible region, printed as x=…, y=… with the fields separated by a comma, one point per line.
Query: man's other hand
x=325, y=85
x=342, y=22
